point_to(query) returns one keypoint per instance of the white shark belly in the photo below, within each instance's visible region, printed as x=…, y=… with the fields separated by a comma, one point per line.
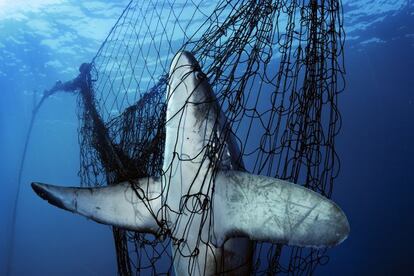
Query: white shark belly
x=210, y=202
x=193, y=118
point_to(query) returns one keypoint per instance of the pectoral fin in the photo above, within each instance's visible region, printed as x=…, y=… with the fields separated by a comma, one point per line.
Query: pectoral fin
x=269, y=209
x=119, y=205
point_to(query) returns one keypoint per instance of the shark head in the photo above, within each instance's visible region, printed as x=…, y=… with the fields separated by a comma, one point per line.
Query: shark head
x=246, y=206
x=184, y=68
x=189, y=89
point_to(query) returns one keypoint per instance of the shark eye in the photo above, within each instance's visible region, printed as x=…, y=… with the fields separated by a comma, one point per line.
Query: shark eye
x=200, y=76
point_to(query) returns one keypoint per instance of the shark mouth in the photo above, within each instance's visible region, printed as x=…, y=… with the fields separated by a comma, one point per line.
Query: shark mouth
x=247, y=206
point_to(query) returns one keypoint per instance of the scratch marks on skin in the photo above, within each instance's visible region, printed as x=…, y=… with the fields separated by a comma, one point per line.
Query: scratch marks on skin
x=282, y=211
x=258, y=207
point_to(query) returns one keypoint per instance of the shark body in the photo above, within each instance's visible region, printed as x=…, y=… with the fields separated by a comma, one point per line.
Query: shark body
x=214, y=207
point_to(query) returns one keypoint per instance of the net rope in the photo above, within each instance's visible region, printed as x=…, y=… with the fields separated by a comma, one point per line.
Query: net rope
x=276, y=68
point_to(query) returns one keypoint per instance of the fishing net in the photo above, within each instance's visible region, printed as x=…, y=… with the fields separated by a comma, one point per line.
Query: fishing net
x=276, y=68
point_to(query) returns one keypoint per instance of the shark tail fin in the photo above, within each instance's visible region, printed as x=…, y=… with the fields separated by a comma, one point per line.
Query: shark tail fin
x=270, y=209
x=119, y=205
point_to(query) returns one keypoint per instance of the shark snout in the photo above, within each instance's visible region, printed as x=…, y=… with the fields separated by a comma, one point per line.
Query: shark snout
x=184, y=71
x=184, y=60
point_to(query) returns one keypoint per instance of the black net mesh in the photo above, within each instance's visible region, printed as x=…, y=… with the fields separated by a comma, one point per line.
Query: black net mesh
x=276, y=68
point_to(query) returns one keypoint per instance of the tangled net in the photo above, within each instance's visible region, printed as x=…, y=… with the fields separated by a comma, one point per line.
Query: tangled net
x=276, y=67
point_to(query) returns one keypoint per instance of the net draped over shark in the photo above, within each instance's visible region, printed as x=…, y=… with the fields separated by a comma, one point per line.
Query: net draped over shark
x=235, y=208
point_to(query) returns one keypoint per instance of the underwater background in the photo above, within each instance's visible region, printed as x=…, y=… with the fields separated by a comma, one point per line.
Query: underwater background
x=45, y=41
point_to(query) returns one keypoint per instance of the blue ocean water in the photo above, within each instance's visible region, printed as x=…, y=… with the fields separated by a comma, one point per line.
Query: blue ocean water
x=45, y=41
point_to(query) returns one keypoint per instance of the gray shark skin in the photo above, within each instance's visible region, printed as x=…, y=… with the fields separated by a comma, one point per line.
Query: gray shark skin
x=238, y=207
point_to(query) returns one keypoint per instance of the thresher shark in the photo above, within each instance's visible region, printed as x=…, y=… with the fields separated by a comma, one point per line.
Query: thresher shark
x=244, y=207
